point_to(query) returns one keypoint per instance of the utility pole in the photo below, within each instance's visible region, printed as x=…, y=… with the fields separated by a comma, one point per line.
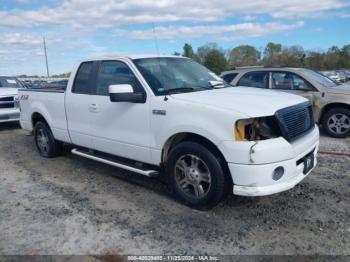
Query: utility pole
x=47, y=64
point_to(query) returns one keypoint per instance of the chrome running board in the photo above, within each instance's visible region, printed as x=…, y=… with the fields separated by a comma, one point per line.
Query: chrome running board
x=149, y=173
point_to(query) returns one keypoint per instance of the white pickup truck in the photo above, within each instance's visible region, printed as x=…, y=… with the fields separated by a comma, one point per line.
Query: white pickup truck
x=166, y=115
x=9, y=105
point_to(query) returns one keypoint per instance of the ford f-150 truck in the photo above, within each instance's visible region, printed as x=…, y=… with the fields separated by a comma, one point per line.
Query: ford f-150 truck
x=168, y=115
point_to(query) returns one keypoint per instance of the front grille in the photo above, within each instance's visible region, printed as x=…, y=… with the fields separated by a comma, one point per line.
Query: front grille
x=7, y=102
x=295, y=121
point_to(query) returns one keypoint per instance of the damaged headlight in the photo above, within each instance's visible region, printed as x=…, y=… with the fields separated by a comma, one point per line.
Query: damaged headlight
x=255, y=129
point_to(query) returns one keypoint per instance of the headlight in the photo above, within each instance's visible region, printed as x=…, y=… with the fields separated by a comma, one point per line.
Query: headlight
x=254, y=129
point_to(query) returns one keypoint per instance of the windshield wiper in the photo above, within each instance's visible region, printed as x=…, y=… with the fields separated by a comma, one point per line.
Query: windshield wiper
x=213, y=84
x=178, y=90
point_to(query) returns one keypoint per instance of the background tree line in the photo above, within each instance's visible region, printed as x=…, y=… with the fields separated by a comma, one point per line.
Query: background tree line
x=274, y=54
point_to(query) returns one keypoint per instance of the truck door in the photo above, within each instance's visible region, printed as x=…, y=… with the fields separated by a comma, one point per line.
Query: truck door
x=78, y=105
x=120, y=128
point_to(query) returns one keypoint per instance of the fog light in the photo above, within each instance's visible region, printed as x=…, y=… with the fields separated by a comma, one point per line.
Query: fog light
x=278, y=173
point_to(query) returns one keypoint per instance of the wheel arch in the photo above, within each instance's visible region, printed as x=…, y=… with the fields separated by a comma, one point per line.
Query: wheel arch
x=193, y=137
x=330, y=106
x=36, y=117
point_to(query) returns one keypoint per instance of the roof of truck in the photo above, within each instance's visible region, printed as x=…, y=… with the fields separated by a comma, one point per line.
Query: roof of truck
x=134, y=56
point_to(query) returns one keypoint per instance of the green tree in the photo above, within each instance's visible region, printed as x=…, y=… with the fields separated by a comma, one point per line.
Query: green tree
x=292, y=56
x=188, y=51
x=22, y=76
x=244, y=55
x=216, y=61
x=344, y=57
x=272, y=54
x=332, y=58
x=315, y=60
x=204, y=50
x=65, y=75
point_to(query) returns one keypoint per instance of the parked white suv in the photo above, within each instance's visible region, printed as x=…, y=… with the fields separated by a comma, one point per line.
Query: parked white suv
x=9, y=106
x=171, y=116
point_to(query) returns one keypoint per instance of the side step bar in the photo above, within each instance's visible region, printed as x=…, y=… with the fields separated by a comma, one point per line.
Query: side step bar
x=149, y=173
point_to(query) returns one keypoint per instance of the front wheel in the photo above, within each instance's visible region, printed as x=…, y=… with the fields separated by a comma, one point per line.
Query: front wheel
x=336, y=122
x=45, y=142
x=196, y=175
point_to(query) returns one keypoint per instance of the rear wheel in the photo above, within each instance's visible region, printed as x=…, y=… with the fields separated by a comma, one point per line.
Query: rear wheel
x=45, y=142
x=196, y=175
x=336, y=122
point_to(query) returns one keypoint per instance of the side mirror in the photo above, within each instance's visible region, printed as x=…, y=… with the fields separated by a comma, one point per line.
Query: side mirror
x=125, y=93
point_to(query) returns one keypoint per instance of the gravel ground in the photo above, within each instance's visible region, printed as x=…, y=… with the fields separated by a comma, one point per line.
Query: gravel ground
x=69, y=205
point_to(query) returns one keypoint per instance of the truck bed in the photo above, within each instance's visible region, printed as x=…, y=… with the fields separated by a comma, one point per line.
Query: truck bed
x=50, y=104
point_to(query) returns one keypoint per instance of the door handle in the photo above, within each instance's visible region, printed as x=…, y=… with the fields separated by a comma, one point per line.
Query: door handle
x=93, y=108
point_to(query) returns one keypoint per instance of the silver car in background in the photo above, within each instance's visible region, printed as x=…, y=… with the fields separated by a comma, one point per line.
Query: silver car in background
x=330, y=100
x=339, y=76
x=9, y=103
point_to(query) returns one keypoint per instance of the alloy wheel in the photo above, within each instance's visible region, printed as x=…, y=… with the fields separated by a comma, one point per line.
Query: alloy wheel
x=42, y=140
x=192, y=176
x=339, y=123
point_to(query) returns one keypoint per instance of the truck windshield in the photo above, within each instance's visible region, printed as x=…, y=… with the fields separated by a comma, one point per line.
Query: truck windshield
x=319, y=78
x=9, y=82
x=177, y=75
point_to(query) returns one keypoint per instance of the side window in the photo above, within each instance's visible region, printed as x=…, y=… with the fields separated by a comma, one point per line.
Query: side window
x=300, y=84
x=115, y=73
x=289, y=81
x=255, y=79
x=229, y=77
x=81, y=82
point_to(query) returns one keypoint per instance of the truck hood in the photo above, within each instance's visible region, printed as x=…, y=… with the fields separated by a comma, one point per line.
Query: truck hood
x=343, y=89
x=8, y=91
x=250, y=102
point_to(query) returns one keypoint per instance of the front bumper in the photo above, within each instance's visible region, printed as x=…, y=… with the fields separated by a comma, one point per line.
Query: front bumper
x=264, y=172
x=254, y=175
x=9, y=115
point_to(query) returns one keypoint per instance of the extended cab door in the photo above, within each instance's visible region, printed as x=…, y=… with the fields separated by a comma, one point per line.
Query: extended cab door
x=120, y=128
x=78, y=105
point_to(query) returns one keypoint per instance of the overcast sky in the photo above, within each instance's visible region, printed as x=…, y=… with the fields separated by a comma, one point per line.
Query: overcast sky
x=76, y=29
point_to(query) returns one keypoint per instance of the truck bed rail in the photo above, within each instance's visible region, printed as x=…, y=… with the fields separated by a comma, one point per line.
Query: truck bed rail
x=49, y=90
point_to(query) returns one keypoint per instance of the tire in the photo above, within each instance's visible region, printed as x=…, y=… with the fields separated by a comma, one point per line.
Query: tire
x=45, y=142
x=336, y=122
x=196, y=176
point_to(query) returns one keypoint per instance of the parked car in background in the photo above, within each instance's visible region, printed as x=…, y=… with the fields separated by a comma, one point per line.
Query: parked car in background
x=342, y=75
x=331, y=102
x=332, y=75
x=339, y=76
x=9, y=105
x=58, y=84
x=172, y=117
x=347, y=72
